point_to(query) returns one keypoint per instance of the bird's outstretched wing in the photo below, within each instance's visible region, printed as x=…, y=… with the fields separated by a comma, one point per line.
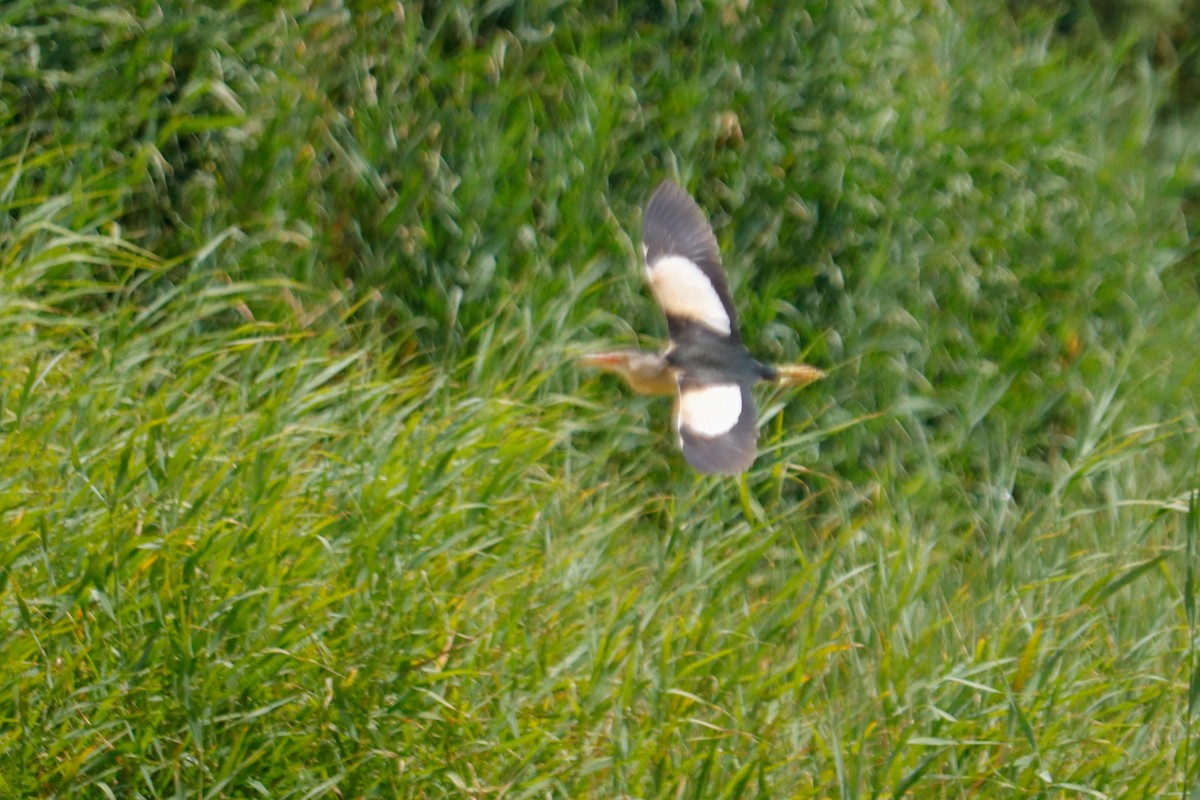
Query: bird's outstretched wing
x=716, y=425
x=715, y=415
x=684, y=265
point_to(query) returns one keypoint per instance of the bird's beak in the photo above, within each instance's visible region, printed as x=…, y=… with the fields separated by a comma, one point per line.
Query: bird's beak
x=607, y=360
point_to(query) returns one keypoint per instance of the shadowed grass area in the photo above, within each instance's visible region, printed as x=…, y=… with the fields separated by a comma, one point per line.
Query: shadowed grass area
x=303, y=495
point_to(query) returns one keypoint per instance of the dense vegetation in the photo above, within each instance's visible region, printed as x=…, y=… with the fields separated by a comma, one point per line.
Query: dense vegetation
x=303, y=495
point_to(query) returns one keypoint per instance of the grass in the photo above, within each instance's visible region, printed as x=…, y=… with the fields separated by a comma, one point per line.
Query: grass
x=302, y=495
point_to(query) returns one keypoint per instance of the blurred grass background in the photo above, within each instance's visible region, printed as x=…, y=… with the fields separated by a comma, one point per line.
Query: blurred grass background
x=301, y=494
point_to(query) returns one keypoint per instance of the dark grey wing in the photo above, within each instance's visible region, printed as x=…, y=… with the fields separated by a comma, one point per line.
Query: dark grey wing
x=715, y=415
x=684, y=264
x=717, y=425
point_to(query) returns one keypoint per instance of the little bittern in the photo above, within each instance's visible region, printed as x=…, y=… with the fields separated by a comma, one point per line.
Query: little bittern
x=705, y=367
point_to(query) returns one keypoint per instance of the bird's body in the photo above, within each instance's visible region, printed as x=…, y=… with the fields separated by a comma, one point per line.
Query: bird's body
x=706, y=366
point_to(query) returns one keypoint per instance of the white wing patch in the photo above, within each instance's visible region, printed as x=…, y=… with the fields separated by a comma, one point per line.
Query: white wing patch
x=683, y=290
x=710, y=411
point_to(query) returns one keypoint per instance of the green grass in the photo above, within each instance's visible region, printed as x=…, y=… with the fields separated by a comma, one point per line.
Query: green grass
x=302, y=495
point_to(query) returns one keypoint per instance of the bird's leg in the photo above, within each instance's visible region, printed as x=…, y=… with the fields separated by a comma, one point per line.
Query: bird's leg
x=797, y=374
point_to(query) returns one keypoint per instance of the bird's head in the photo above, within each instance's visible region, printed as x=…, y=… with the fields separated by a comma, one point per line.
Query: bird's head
x=646, y=373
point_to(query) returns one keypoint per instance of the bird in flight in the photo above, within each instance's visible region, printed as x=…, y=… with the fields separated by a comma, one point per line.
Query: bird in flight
x=705, y=367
